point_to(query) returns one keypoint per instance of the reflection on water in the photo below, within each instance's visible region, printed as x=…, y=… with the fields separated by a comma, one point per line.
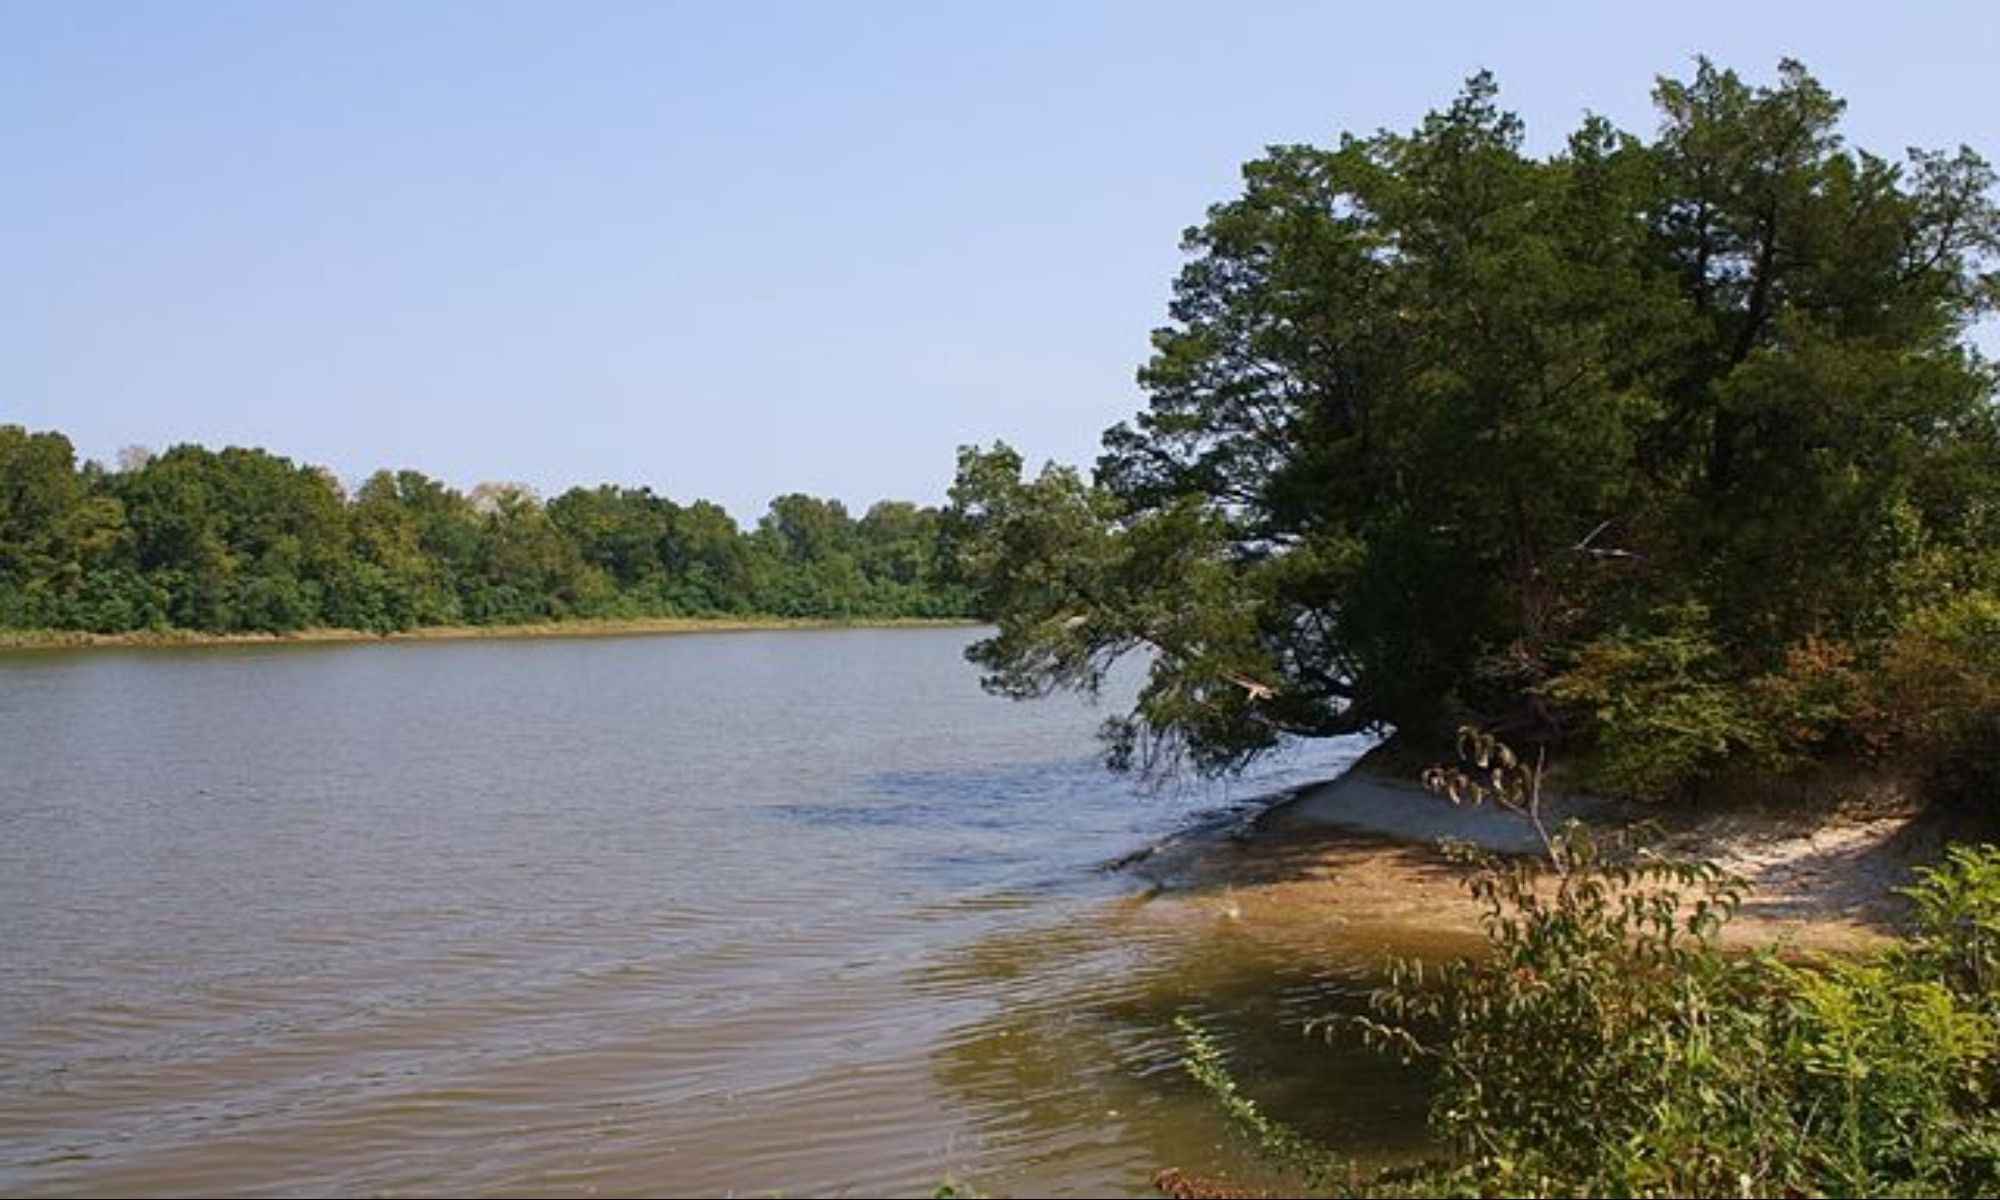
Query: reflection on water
x=799, y=912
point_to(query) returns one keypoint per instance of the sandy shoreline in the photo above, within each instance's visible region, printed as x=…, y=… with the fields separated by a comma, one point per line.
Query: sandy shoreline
x=65, y=639
x=1362, y=851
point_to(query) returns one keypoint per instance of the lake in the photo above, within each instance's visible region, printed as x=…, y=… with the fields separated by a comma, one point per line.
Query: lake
x=800, y=912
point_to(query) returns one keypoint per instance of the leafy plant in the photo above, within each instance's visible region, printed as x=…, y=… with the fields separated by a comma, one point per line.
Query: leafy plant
x=1605, y=1045
x=1489, y=771
x=1957, y=937
x=1659, y=704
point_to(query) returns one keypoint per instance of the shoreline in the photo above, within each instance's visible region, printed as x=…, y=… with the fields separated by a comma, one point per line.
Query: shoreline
x=1362, y=851
x=70, y=639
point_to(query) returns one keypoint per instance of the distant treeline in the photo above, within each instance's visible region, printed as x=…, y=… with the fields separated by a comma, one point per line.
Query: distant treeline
x=241, y=540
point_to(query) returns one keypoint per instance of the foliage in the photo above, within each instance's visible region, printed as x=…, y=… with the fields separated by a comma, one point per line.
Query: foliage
x=1204, y=1063
x=1939, y=693
x=1588, y=444
x=1819, y=698
x=1957, y=936
x=243, y=540
x=1488, y=770
x=1598, y=1001
x=1663, y=708
x=1606, y=1047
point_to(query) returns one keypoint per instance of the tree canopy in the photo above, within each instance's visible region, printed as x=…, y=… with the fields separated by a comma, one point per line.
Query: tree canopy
x=245, y=540
x=1632, y=446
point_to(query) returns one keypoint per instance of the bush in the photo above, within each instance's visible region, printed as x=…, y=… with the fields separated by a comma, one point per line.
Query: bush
x=1660, y=705
x=1939, y=695
x=1605, y=1046
x=1819, y=700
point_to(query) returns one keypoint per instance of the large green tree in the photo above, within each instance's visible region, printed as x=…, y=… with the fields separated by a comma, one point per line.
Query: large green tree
x=1435, y=420
x=60, y=542
x=239, y=539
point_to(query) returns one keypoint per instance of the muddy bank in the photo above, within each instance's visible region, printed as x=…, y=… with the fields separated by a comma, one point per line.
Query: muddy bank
x=1362, y=854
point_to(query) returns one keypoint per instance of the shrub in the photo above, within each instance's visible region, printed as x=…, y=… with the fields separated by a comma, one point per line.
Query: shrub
x=1819, y=699
x=1602, y=998
x=1605, y=1046
x=1939, y=692
x=1659, y=704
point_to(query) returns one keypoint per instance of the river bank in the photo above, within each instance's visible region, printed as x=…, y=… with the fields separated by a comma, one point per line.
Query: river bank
x=61, y=639
x=1363, y=852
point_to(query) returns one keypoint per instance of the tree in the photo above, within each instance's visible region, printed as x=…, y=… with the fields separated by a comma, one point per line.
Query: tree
x=396, y=576
x=806, y=529
x=897, y=541
x=1432, y=417
x=238, y=538
x=525, y=569
x=56, y=538
x=241, y=539
x=706, y=556
x=619, y=530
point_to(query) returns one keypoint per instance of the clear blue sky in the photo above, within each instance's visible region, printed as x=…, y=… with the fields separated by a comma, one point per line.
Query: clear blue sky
x=732, y=250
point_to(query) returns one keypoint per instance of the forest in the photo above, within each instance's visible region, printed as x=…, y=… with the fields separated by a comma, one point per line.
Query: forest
x=244, y=540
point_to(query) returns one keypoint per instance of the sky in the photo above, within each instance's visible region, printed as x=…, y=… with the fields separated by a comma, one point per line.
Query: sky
x=735, y=250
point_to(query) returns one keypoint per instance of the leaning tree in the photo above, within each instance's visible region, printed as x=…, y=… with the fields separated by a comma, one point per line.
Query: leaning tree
x=1437, y=423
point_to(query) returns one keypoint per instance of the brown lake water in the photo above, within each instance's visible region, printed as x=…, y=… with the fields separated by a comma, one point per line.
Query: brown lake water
x=795, y=912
